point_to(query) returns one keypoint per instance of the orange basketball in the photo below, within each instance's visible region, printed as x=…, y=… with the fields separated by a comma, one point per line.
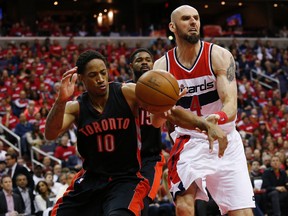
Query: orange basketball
x=157, y=91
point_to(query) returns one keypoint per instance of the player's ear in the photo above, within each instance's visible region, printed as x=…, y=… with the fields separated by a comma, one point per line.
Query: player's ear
x=172, y=26
x=131, y=67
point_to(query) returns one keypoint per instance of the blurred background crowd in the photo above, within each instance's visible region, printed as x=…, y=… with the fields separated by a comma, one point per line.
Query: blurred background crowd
x=29, y=83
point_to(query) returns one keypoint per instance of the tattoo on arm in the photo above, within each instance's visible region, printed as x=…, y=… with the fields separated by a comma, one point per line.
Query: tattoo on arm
x=231, y=70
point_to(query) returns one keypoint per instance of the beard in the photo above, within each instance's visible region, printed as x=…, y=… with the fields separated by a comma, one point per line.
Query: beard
x=139, y=73
x=192, y=39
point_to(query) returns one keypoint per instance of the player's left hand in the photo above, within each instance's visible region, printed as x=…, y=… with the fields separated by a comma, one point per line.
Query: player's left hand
x=216, y=133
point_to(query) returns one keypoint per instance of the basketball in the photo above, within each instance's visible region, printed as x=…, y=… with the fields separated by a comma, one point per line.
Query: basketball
x=157, y=91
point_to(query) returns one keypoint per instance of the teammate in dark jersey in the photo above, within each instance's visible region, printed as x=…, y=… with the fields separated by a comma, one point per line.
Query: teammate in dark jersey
x=107, y=135
x=141, y=61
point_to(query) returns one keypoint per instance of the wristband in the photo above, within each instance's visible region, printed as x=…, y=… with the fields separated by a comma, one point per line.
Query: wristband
x=223, y=117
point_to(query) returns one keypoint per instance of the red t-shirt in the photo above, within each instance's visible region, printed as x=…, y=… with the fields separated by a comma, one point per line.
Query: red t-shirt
x=63, y=152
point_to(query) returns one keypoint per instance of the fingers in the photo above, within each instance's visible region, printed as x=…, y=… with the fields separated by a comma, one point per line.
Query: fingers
x=70, y=74
x=211, y=141
x=200, y=131
x=220, y=153
x=167, y=112
x=181, y=94
x=213, y=118
x=223, y=143
x=74, y=77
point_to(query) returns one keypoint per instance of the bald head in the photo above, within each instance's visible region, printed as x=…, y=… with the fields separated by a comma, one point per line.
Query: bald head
x=183, y=9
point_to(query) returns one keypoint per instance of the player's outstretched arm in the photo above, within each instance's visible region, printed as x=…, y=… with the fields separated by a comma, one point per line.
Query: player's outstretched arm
x=186, y=119
x=61, y=115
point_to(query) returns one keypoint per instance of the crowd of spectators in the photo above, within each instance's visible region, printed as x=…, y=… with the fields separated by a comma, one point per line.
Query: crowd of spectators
x=29, y=84
x=51, y=27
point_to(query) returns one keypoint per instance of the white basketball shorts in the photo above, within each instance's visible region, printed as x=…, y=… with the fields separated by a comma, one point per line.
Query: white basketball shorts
x=226, y=178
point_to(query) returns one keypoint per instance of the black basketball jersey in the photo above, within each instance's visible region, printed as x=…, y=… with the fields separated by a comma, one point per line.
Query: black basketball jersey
x=109, y=141
x=150, y=136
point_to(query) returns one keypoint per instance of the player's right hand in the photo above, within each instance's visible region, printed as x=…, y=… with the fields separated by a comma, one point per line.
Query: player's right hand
x=68, y=81
x=213, y=118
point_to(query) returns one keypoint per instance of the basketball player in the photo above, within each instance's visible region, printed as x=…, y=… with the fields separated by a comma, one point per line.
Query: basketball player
x=110, y=183
x=141, y=61
x=207, y=71
x=106, y=116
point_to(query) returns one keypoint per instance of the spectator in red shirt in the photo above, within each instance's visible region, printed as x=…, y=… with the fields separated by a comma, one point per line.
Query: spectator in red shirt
x=275, y=130
x=31, y=111
x=41, y=121
x=4, y=105
x=284, y=120
x=262, y=100
x=11, y=51
x=68, y=32
x=278, y=107
x=39, y=66
x=56, y=49
x=43, y=53
x=64, y=150
x=16, y=30
x=54, y=64
x=56, y=30
x=27, y=31
x=15, y=89
x=9, y=120
x=247, y=126
x=44, y=93
x=5, y=79
x=44, y=26
x=71, y=46
x=264, y=129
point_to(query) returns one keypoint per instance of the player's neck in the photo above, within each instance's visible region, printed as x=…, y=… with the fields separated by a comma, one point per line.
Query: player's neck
x=99, y=102
x=187, y=53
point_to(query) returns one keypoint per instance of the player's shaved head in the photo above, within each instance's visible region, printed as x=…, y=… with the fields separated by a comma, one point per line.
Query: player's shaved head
x=180, y=10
